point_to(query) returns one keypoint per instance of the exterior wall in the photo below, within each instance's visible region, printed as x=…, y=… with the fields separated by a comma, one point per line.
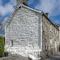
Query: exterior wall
x=23, y=32
x=50, y=37
x=29, y=30
x=59, y=41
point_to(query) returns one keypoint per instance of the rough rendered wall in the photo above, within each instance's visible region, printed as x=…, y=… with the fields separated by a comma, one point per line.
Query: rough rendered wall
x=23, y=30
x=59, y=40
x=50, y=37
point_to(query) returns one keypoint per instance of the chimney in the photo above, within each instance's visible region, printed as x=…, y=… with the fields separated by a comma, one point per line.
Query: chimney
x=21, y=2
x=46, y=14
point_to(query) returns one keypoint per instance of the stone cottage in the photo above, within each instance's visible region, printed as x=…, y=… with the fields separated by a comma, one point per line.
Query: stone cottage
x=30, y=32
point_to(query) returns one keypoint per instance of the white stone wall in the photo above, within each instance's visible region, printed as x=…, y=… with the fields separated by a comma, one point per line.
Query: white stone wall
x=59, y=33
x=24, y=30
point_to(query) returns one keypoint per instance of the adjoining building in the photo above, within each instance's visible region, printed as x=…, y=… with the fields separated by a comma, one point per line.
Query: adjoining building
x=30, y=32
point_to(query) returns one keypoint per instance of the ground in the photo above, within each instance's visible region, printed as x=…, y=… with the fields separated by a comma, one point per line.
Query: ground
x=53, y=58
x=18, y=57
x=56, y=57
x=14, y=57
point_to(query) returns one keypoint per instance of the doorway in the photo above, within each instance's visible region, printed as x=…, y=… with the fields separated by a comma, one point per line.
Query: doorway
x=59, y=48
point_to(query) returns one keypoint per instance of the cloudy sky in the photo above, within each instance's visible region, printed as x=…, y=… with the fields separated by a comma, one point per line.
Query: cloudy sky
x=52, y=7
x=7, y=7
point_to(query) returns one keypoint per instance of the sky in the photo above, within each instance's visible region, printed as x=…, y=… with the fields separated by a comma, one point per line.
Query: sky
x=7, y=7
x=52, y=7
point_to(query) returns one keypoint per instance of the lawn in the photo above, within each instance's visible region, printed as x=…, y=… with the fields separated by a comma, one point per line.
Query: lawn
x=2, y=43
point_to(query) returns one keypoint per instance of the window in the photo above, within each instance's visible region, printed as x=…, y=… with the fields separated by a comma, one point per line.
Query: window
x=11, y=42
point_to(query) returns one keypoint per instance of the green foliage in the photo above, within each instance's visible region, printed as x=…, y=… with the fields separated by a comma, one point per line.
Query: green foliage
x=2, y=42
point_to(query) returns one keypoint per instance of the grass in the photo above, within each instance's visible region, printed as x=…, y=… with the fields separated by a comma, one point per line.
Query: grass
x=2, y=43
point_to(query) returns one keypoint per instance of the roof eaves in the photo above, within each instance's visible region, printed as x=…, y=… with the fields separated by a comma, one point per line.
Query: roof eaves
x=35, y=10
x=54, y=24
